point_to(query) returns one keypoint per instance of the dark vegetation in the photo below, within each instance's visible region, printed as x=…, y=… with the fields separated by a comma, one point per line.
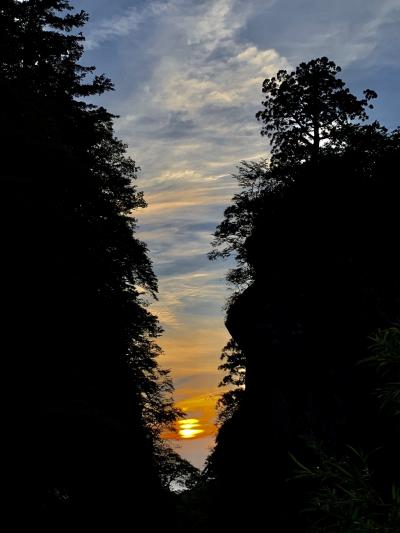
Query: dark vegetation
x=309, y=432
x=87, y=400
x=314, y=318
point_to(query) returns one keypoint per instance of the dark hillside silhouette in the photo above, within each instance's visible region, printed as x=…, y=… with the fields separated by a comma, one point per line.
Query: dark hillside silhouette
x=320, y=261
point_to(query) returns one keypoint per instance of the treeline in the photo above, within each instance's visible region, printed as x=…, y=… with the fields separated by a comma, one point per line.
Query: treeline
x=86, y=399
x=309, y=434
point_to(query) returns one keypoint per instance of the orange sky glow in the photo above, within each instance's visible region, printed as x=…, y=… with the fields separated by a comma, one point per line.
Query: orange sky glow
x=190, y=311
x=192, y=354
x=200, y=417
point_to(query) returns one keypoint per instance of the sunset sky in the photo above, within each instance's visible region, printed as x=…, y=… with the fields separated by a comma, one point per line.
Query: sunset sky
x=188, y=77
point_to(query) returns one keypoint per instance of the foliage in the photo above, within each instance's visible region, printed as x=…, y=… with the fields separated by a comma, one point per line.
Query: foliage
x=176, y=473
x=343, y=497
x=305, y=110
x=93, y=196
x=255, y=179
x=88, y=393
x=310, y=289
x=386, y=361
x=307, y=107
x=235, y=378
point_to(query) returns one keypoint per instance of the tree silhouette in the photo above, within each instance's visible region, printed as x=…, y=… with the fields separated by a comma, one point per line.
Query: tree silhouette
x=308, y=107
x=318, y=287
x=176, y=472
x=85, y=390
x=254, y=179
x=235, y=378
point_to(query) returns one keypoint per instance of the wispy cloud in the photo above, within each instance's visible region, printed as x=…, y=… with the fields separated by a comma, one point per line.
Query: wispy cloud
x=124, y=24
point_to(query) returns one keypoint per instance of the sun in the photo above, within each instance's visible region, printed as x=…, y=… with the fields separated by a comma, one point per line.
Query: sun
x=189, y=428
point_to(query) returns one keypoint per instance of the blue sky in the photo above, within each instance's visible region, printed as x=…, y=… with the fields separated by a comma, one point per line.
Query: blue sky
x=188, y=77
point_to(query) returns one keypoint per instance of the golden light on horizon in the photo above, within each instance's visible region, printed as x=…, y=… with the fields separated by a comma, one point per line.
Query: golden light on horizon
x=201, y=424
x=190, y=433
x=189, y=428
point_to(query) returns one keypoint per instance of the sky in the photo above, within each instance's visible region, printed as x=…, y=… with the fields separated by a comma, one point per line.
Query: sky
x=188, y=76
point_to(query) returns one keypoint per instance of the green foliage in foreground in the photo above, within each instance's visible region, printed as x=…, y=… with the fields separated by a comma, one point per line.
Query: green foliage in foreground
x=386, y=360
x=343, y=496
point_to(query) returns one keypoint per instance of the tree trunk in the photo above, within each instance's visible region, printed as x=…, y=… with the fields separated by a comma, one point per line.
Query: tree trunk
x=315, y=149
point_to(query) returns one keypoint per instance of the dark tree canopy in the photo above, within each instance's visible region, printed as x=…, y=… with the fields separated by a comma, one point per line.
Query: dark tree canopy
x=87, y=396
x=308, y=107
x=255, y=179
x=314, y=234
x=176, y=473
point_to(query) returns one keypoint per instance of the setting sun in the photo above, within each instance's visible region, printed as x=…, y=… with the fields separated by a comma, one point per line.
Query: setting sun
x=189, y=428
x=200, y=410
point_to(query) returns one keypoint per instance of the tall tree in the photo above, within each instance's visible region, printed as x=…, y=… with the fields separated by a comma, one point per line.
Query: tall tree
x=308, y=107
x=82, y=352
